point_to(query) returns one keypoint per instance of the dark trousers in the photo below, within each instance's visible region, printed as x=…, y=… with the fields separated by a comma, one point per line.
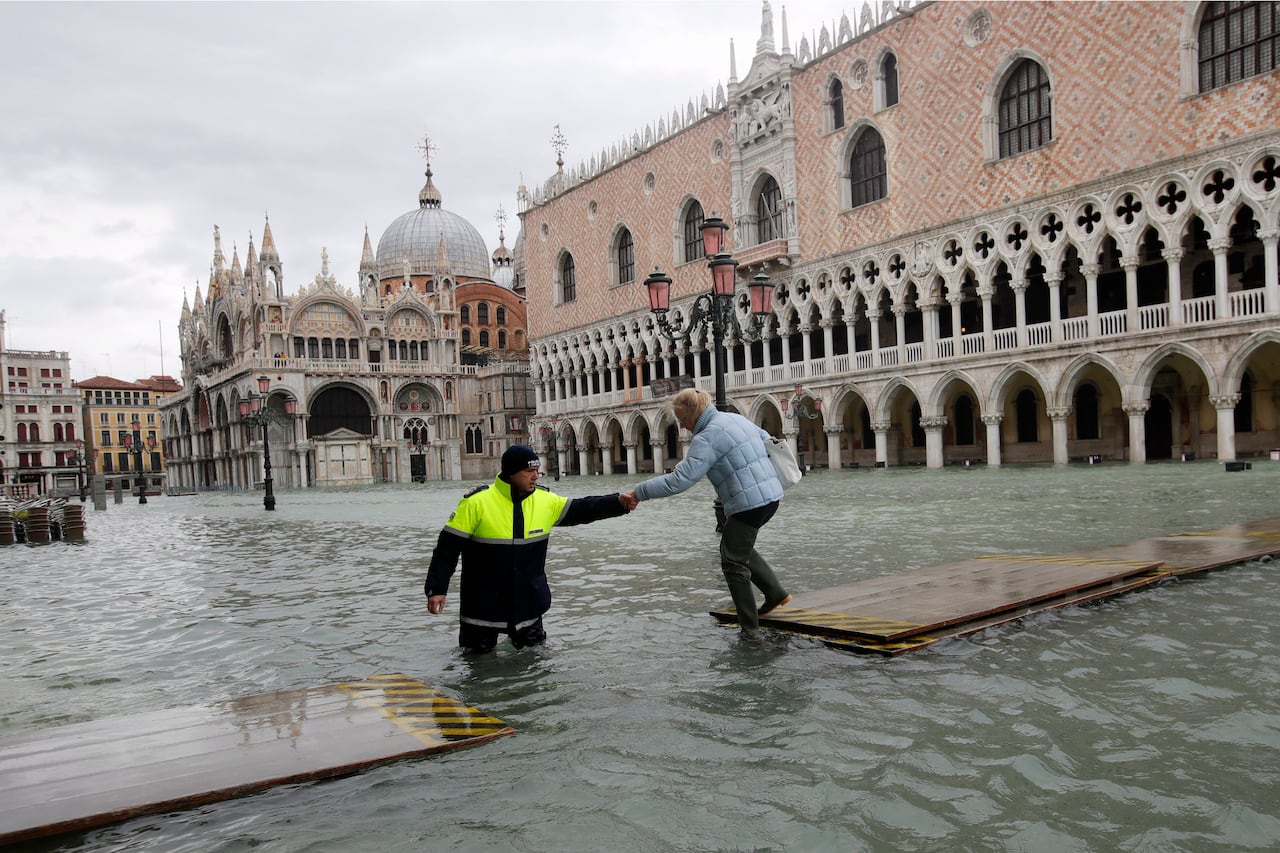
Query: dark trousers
x=743, y=567
x=478, y=639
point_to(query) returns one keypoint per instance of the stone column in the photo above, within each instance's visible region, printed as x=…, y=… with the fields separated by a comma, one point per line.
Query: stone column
x=929, y=312
x=806, y=346
x=933, y=440
x=1226, y=406
x=561, y=456
x=900, y=326
x=1269, y=238
x=957, y=330
x=1137, y=412
x=993, y=439
x=1222, y=303
x=1054, y=280
x=630, y=448
x=1131, y=321
x=606, y=459
x=1059, y=416
x=1173, y=261
x=828, y=338
x=659, y=450
x=873, y=317
x=985, y=292
x=1019, y=288
x=833, y=433
x=881, y=429
x=1091, y=296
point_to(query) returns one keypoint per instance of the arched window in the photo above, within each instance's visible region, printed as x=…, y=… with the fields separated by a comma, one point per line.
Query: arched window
x=466, y=337
x=769, y=212
x=22, y=432
x=1238, y=41
x=484, y=337
x=1025, y=110
x=626, y=257
x=57, y=432
x=340, y=348
x=868, y=180
x=464, y=314
x=501, y=315
x=568, y=285
x=888, y=81
x=482, y=314
x=693, y=218
x=835, y=97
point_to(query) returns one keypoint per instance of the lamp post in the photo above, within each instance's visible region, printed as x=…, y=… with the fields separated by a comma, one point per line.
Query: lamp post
x=77, y=459
x=797, y=407
x=712, y=310
x=549, y=438
x=255, y=412
x=135, y=446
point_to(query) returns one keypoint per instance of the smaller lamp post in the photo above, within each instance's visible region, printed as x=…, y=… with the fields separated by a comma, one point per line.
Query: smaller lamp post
x=548, y=432
x=135, y=445
x=77, y=459
x=255, y=412
x=797, y=407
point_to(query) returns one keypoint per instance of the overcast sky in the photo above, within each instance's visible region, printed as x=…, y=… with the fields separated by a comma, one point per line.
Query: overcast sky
x=130, y=130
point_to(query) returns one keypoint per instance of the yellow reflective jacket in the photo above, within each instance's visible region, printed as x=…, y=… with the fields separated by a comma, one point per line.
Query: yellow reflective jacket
x=503, y=545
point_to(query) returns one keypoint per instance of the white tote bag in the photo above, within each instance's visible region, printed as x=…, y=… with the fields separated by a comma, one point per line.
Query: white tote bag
x=784, y=461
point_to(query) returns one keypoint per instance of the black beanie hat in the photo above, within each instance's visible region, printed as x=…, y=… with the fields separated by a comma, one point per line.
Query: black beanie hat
x=518, y=458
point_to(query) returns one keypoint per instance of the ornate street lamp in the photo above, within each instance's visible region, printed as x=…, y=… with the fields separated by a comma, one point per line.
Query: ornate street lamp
x=548, y=433
x=77, y=459
x=715, y=309
x=133, y=443
x=255, y=412
x=797, y=407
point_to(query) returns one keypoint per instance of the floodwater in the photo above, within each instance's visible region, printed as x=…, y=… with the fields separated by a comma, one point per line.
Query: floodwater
x=1146, y=722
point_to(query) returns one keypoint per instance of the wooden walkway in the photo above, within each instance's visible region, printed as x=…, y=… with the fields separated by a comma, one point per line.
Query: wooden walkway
x=900, y=613
x=80, y=776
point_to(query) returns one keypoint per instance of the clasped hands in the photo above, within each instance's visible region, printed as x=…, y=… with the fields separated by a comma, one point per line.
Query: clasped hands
x=628, y=500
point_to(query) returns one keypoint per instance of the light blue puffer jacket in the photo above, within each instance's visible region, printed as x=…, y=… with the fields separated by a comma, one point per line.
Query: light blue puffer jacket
x=729, y=450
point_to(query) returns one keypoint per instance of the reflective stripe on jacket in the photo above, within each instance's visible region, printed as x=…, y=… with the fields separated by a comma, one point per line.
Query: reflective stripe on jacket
x=503, y=545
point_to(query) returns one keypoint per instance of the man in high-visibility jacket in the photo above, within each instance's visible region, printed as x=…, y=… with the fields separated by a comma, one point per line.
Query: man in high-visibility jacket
x=501, y=532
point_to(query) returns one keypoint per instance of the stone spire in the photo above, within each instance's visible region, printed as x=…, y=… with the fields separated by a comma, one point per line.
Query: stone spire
x=368, y=264
x=269, y=253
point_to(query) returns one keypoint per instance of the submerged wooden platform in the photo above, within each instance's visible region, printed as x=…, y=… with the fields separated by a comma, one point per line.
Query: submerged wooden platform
x=900, y=613
x=85, y=775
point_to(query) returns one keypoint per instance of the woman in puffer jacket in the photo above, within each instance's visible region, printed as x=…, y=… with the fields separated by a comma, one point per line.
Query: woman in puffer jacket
x=730, y=451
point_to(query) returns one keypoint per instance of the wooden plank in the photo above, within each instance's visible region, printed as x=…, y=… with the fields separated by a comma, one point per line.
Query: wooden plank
x=897, y=606
x=915, y=643
x=893, y=614
x=86, y=775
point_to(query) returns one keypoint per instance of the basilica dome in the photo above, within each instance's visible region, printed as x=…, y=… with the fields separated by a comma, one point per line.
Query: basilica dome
x=417, y=235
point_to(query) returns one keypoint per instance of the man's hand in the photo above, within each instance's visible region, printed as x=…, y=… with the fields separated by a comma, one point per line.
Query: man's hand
x=628, y=500
x=435, y=604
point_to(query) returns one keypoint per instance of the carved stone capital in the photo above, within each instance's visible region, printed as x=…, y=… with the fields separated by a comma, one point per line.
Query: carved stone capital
x=933, y=424
x=993, y=420
x=1059, y=413
x=1136, y=407
x=881, y=426
x=1224, y=401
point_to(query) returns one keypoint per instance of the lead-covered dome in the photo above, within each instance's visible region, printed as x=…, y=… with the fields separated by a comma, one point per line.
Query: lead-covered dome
x=417, y=235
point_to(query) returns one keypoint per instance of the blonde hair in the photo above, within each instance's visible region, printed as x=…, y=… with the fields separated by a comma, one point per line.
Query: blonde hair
x=692, y=401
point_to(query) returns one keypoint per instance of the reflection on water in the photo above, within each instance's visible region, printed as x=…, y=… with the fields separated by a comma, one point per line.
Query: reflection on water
x=1144, y=722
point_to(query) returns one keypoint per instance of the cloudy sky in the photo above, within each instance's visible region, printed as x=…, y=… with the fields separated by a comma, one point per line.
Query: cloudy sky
x=131, y=129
